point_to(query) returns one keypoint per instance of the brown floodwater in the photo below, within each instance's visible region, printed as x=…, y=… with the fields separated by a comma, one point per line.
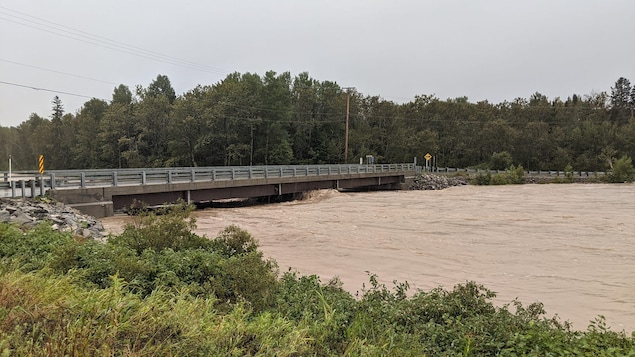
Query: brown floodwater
x=570, y=246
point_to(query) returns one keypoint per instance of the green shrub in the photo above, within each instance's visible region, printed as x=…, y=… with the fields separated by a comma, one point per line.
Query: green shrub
x=622, y=170
x=500, y=160
x=161, y=252
x=513, y=175
x=326, y=310
x=499, y=179
x=169, y=228
x=233, y=241
x=29, y=250
x=568, y=176
x=483, y=179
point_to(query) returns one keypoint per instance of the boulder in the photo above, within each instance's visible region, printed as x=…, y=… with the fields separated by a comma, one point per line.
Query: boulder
x=436, y=182
x=28, y=213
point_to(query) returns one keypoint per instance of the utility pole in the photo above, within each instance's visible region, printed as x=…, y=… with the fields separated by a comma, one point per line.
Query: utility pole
x=348, y=109
x=251, y=153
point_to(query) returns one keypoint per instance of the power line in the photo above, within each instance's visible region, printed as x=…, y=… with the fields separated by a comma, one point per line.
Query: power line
x=59, y=72
x=92, y=42
x=83, y=36
x=47, y=90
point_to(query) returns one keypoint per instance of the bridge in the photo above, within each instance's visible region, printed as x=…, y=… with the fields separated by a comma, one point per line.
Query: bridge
x=100, y=193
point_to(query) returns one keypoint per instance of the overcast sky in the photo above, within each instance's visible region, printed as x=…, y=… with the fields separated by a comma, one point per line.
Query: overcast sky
x=496, y=50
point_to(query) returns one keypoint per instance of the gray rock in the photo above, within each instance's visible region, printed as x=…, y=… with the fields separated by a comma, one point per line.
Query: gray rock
x=4, y=216
x=56, y=219
x=29, y=213
x=20, y=218
x=436, y=182
x=10, y=208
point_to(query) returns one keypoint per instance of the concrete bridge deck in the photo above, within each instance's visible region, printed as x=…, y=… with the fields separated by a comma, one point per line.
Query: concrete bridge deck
x=102, y=192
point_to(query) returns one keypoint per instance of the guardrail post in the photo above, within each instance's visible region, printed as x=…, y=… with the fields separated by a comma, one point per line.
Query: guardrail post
x=82, y=180
x=249, y=173
x=169, y=176
x=114, y=179
x=307, y=171
x=12, y=189
x=213, y=175
x=294, y=172
x=144, y=179
x=23, y=188
x=192, y=176
x=32, y=184
x=281, y=172
x=233, y=173
x=52, y=181
x=42, y=186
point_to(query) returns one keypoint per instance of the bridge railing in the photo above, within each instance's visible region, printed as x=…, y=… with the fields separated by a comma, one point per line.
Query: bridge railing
x=31, y=184
x=529, y=173
x=59, y=179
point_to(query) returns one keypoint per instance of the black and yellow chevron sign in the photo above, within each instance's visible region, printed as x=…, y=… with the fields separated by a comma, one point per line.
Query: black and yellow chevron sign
x=41, y=164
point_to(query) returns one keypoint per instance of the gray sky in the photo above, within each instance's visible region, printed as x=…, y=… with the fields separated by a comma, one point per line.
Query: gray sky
x=496, y=50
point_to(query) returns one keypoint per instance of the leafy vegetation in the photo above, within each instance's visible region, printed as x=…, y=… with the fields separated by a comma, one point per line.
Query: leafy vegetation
x=512, y=176
x=622, y=170
x=159, y=290
x=279, y=119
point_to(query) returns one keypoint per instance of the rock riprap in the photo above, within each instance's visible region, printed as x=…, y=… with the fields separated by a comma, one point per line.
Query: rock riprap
x=436, y=182
x=29, y=213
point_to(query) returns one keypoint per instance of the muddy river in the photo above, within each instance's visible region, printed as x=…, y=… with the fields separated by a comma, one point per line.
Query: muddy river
x=571, y=247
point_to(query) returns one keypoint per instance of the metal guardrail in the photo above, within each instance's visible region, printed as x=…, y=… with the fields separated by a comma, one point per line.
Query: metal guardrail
x=27, y=184
x=529, y=173
x=31, y=184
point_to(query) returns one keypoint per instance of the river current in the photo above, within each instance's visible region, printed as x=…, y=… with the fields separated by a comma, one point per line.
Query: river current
x=569, y=246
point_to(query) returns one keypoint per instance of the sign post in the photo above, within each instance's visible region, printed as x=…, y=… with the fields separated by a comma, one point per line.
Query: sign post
x=41, y=164
x=41, y=178
x=427, y=157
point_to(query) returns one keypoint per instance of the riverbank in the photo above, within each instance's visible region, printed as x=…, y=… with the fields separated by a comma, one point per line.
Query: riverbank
x=28, y=213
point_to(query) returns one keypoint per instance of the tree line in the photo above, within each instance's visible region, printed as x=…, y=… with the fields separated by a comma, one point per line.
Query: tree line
x=275, y=118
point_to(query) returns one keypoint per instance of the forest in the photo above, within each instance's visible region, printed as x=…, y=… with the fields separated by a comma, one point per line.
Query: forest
x=276, y=119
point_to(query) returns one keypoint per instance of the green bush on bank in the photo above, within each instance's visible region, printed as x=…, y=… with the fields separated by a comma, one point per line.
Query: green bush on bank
x=156, y=251
x=157, y=294
x=622, y=170
x=512, y=176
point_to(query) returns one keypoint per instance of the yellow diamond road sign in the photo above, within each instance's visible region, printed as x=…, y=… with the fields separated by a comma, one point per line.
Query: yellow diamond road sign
x=428, y=157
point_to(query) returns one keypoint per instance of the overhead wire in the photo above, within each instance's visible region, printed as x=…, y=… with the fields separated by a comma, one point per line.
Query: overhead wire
x=58, y=72
x=83, y=36
x=86, y=37
x=46, y=90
